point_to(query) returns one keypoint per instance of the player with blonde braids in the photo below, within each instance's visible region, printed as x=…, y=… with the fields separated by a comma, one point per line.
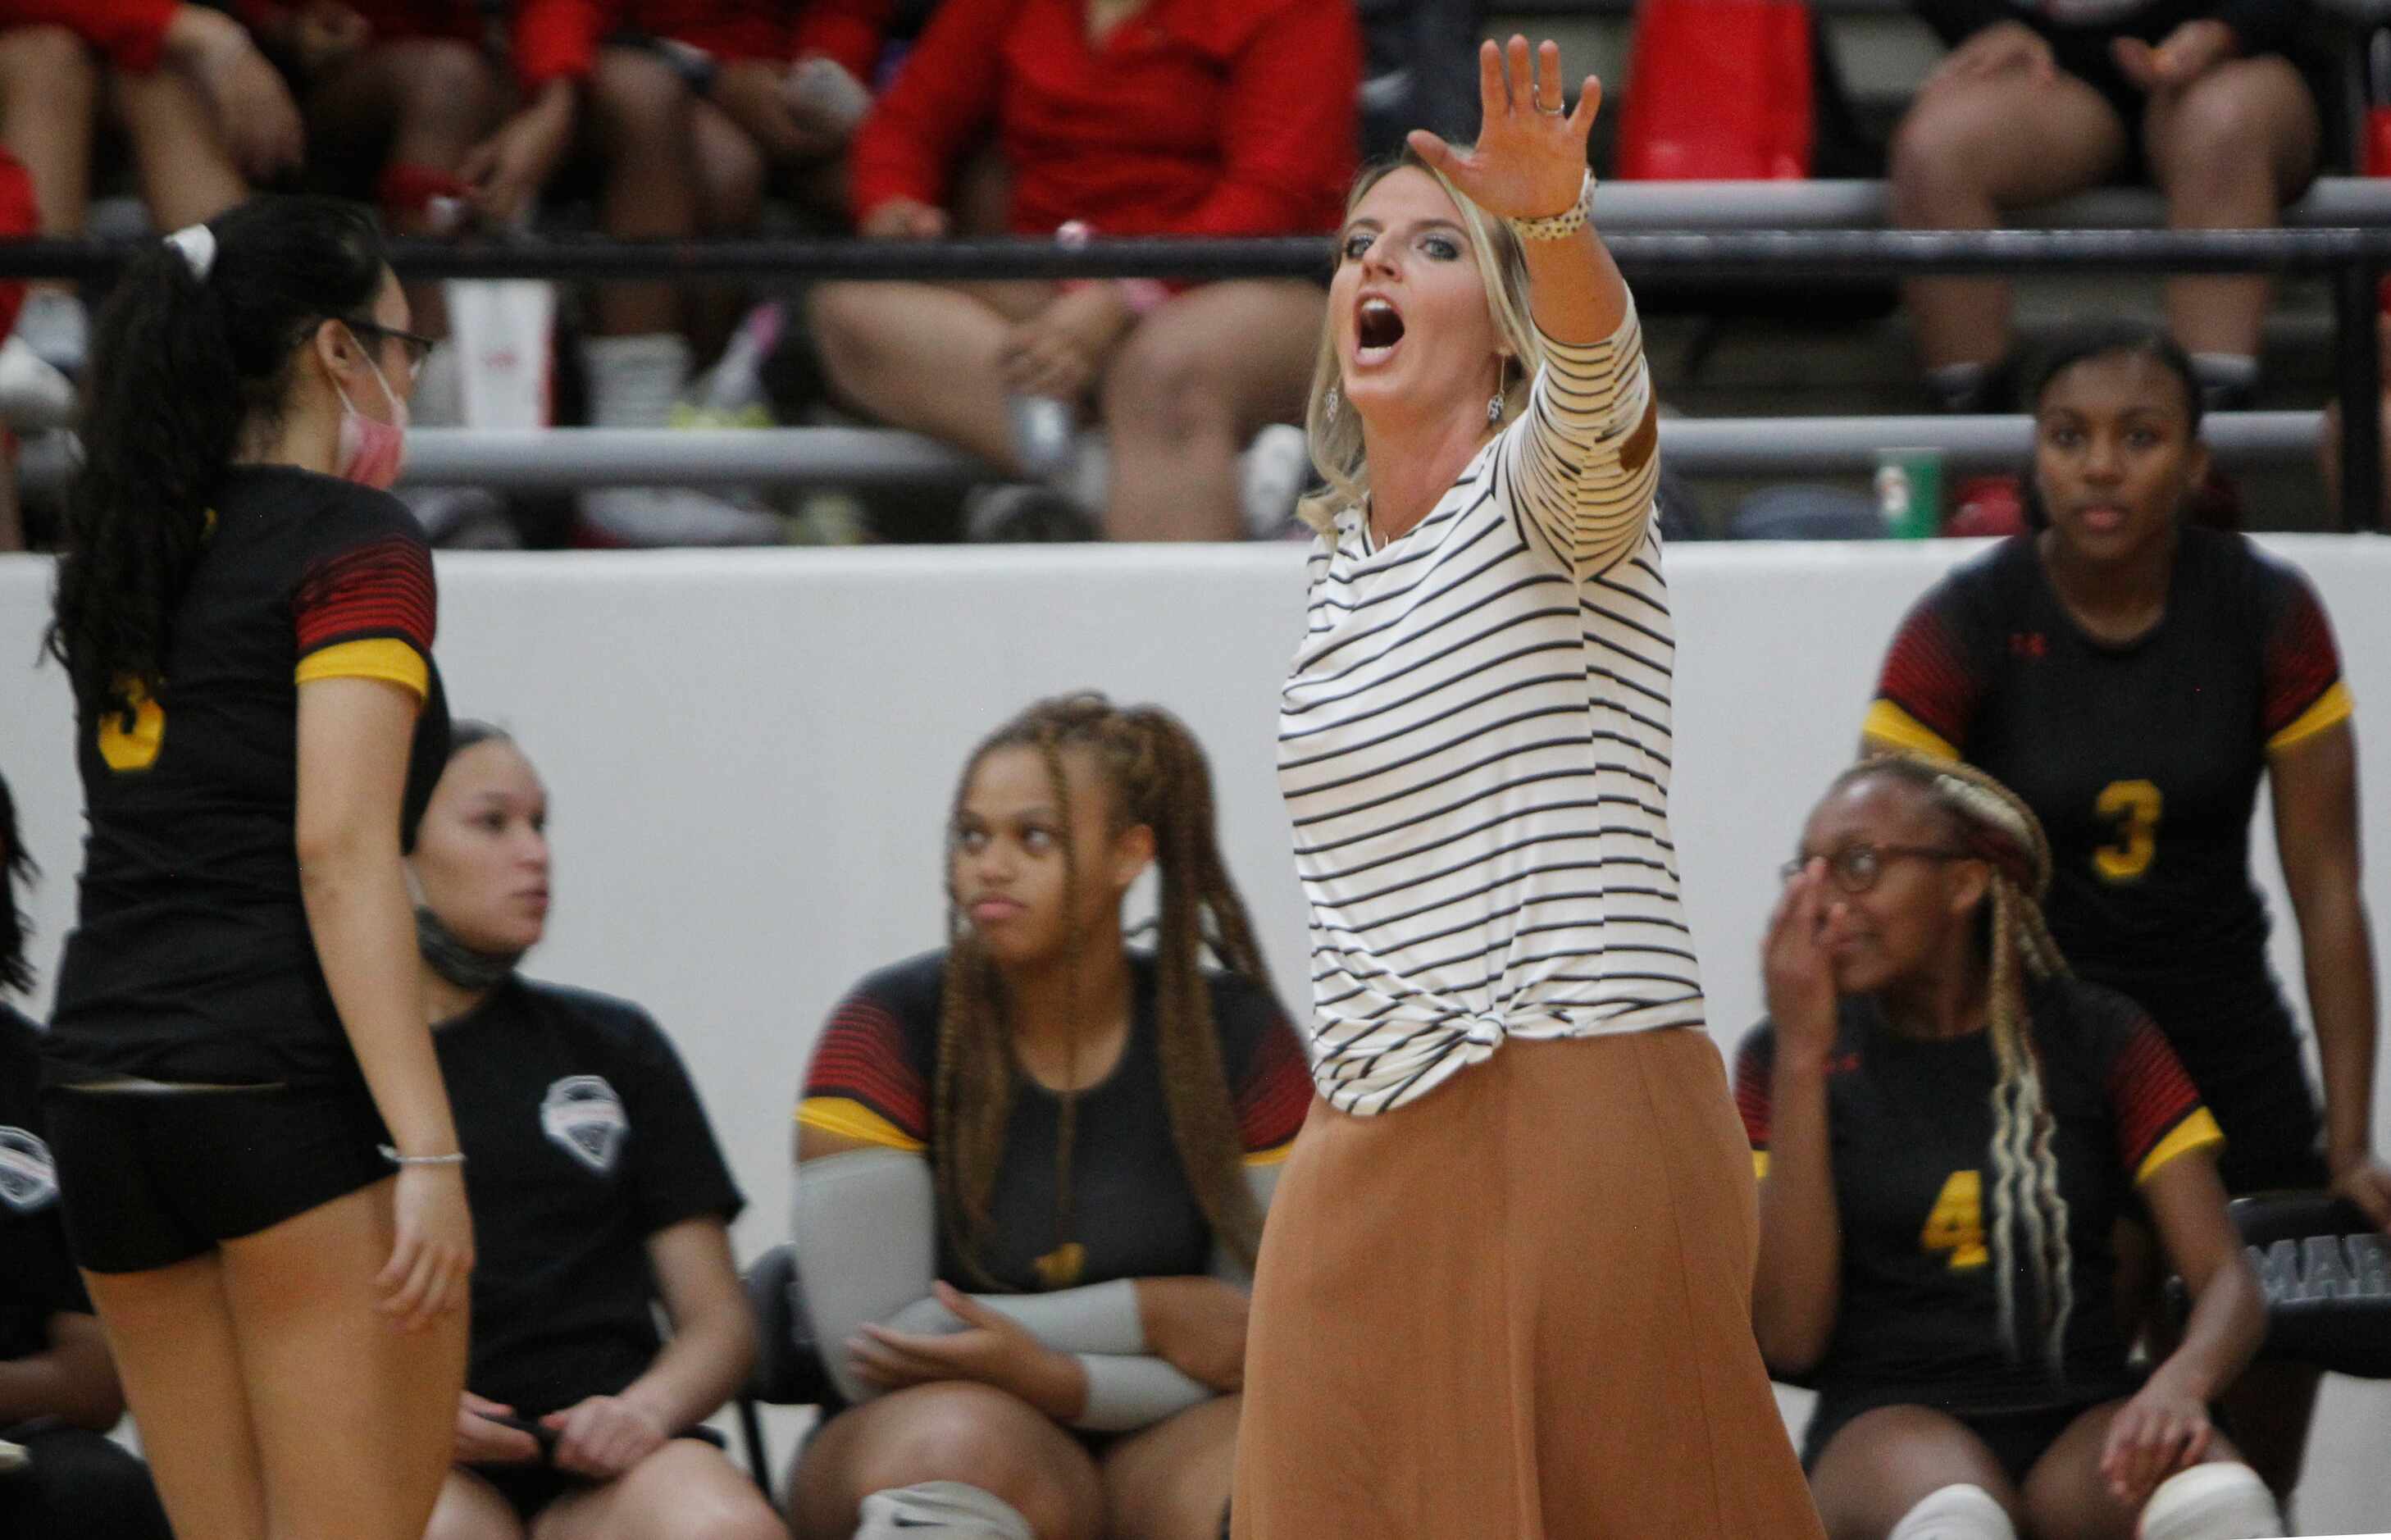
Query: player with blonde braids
x=1928, y=1057
x=1033, y=1167
x=2025, y=1179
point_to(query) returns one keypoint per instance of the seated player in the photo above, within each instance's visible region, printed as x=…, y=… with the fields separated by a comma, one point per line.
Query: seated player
x=61, y=1476
x=1032, y=1168
x=2137, y=679
x=1948, y=1128
x=598, y=1193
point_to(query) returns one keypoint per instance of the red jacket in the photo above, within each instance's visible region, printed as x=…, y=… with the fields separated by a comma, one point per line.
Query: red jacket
x=131, y=32
x=559, y=39
x=1192, y=117
x=852, y=32
x=18, y=217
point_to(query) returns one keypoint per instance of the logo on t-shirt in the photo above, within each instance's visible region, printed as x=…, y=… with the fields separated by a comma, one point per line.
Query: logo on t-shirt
x=29, y=1179
x=585, y=1118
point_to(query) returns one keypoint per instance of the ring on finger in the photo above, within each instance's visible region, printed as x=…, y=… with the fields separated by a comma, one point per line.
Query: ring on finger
x=1553, y=111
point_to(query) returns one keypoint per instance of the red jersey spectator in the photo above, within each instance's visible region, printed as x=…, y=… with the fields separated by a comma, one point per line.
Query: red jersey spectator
x=1186, y=117
x=1134, y=117
x=311, y=26
x=690, y=111
x=398, y=92
x=18, y=218
x=255, y=123
x=200, y=110
x=849, y=32
x=561, y=38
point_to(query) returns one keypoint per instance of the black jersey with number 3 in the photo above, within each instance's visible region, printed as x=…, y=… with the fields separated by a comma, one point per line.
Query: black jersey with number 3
x=2141, y=760
x=191, y=958
x=1910, y=1140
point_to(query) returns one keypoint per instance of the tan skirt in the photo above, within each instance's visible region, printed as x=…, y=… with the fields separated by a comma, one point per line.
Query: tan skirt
x=1519, y=1307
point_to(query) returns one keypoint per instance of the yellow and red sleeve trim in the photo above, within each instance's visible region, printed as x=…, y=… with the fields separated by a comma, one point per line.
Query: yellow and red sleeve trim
x=852, y=1119
x=1274, y=1099
x=2329, y=710
x=372, y=658
x=1889, y=726
x=2198, y=1130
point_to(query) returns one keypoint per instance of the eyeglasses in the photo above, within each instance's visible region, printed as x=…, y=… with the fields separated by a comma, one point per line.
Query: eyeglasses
x=1857, y=868
x=418, y=347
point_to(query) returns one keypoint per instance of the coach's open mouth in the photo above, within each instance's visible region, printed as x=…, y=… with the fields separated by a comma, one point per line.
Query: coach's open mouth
x=1377, y=327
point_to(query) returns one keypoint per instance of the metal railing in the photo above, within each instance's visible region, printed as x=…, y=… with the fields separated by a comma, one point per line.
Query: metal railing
x=2354, y=258
x=551, y=458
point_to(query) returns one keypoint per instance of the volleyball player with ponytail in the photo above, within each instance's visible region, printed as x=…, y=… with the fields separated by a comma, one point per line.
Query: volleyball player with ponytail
x=259, y=1169
x=1948, y=1126
x=1075, y=1140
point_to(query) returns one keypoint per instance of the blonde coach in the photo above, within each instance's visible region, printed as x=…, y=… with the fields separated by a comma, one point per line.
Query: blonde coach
x=1505, y=1288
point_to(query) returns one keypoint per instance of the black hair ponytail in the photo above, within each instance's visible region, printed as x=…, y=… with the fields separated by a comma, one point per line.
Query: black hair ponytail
x=183, y=365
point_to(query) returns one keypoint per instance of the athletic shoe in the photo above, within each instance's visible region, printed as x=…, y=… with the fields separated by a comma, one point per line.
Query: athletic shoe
x=1272, y=474
x=35, y=396
x=54, y=325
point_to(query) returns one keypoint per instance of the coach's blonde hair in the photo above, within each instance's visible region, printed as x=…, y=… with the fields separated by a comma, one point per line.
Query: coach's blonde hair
x=1334, y=438
x=1997, y=828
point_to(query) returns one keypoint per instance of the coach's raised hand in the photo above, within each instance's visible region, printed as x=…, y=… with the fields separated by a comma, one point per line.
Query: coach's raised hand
x=1529, y=161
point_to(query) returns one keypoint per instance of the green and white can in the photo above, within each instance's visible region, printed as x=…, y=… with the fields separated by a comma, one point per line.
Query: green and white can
x=1909, y=492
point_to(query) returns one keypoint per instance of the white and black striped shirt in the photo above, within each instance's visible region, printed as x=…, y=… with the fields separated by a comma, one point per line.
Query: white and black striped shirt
x=1474, y=747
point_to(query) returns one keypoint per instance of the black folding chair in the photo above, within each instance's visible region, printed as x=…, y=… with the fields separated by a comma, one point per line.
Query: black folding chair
x=788, y=1370
x=2326, y=1273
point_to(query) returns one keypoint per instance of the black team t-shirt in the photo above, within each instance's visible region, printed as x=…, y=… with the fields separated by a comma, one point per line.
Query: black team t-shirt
x=582, y=1137
x=1131, y=1212
x=2142, y=762
x=37, y=1273
x=191, y=957
x=1910, y=1137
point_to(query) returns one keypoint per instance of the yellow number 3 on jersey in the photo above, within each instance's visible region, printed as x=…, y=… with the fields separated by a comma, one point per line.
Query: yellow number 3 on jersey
x=1957, y=1225
x=135, y=747
x=2135, y=805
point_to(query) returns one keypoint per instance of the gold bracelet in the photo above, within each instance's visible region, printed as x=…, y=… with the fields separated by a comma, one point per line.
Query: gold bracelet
x=1557, y=227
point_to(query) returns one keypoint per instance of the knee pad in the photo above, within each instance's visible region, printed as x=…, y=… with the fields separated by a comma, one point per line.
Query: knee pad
x=951, y=1509
x=2224, y=1501
x=1962, y=1511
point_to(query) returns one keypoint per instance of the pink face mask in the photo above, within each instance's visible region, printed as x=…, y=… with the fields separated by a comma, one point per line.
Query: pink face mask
x=373, y=451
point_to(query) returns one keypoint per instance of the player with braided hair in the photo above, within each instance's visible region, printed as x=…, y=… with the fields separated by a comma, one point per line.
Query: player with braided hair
x=1033, y=1167
x=1948, y=1126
